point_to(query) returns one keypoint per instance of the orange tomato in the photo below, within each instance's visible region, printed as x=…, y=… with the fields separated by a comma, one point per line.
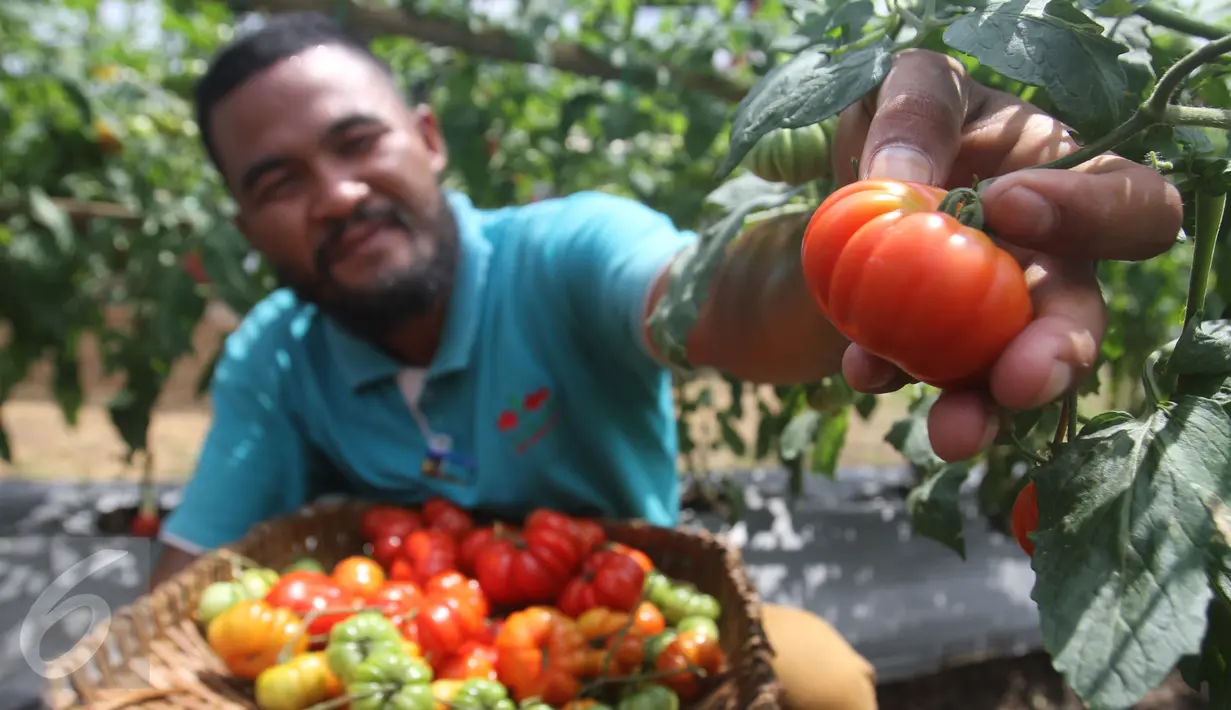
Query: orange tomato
x=541, y=653
x=358, y=575
x=250, y=635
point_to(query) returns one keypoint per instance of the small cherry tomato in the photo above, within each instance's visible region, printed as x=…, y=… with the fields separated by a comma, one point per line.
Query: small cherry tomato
x=1026, y=517
x=359, y=575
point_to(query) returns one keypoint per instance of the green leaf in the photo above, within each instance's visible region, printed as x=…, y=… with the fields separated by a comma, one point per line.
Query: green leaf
x=798, y=435
x=742, y=188
x=830, y=439
x=66, y=383
x=806, y=89
x=934, y=507
x=1123, y=548
x=910, y=435
x=49, y=214
x=1050, y=43
x=1208, y=353
x=1113, y=8
x=690, y=276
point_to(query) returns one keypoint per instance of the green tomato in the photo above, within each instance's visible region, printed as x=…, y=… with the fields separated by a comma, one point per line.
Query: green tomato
x=792, y=155
x=676, y=604
x=482, y=694
x=217, y=598
x=256, y=583
x=304, y=564
x=654, y=645
x=650, y=697
x=656, y=585
x=354, y=640
x=703, y=605
x=702, y=624
x=391, y=680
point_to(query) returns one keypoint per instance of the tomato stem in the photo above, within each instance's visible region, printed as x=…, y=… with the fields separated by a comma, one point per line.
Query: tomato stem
x=1209, y=209
x=964, y=205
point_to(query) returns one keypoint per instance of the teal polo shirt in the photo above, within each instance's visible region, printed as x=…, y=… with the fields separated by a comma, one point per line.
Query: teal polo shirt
x=542, y=393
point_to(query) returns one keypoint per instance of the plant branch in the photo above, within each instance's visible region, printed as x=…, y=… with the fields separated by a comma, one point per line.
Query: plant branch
x=1154, y=110
x=77, y=208
x=1178, y=21
x=442, y=31
x=1198, y=116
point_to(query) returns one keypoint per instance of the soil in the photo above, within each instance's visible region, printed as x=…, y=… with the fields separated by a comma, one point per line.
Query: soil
x=1026, y=683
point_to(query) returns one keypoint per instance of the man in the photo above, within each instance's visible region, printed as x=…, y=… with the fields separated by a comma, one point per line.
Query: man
x=500, y=359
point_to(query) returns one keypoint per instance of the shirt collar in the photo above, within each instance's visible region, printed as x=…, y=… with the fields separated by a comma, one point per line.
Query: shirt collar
x=362, y=363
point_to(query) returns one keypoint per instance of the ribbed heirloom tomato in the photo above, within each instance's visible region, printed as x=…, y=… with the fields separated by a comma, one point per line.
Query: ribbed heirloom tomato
x=913, y=284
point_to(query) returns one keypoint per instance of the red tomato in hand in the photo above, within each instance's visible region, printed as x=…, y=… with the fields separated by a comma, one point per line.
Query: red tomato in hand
x=1026, y=517
x=531, y=568
x=384, y=520
x=913, y=285
x=610, y=579
x=440, y=514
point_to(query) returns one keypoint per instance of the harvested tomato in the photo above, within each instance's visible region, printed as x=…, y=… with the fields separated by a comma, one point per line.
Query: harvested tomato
x=443, y=624
x=457, y=587
x=912, y=284
x=395, y=599
x=471, y=660
x=542, y=654
x=1026, y=517
x=359, y=575
x=590, y=535
x=599, y=623
x=696, y=656
x=424, y=554
x=610, y=579
x=305, y=592
x=530, y=568
x=250, y=635
x=301, y=682
x=387, y=548
x=443, y=515
x=643, y=560
x=383, y=520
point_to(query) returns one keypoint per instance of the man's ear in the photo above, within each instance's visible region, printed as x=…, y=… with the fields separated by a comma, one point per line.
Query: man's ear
x=433, y=140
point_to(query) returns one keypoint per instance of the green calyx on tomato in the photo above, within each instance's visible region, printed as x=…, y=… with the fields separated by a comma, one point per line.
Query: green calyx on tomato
x=903, y=270
x=1025, y=517
x=795, y=156
x=391, y=680
x=482, y=694
x=352, y=641
x=650, y=697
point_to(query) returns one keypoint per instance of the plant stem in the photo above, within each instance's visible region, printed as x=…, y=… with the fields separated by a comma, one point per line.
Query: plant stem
x=1178, y=21
x=1198, y=116
x=1209, y=212
x=1154, y=110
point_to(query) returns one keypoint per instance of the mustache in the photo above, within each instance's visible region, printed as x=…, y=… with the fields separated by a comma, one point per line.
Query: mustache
x=362, y=214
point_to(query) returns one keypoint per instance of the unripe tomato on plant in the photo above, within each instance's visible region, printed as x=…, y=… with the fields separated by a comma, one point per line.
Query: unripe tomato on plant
x=1026, y=517
x=794, y=156
x=912, y=284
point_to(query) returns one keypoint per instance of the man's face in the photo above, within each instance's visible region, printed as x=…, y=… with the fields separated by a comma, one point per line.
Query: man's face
x=337, y=183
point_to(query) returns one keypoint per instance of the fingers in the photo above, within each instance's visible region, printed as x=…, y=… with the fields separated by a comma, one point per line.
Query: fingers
x=865, y=372
x=1048, y=359
x=909, y=129
x=1108, y=209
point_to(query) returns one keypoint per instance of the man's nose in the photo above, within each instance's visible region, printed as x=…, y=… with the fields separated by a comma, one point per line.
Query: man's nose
x=338, y=197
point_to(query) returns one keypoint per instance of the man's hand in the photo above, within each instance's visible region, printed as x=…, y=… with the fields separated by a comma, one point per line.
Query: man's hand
x=929, y=122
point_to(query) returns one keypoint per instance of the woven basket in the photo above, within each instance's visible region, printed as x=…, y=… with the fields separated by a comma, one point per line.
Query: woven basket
x=153, y=655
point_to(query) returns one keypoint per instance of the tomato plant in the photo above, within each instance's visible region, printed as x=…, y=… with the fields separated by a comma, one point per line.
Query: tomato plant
x=795, y=156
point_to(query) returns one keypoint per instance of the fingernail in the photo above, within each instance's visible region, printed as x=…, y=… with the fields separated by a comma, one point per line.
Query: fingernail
x=1058, y=382
x=1025, y=213
x=899, y=162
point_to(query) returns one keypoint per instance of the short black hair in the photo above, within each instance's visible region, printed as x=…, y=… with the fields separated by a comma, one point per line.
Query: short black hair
x=283, y=35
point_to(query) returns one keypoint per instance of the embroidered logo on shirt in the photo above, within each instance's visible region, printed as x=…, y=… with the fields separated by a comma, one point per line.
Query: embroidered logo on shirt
x=528, y=419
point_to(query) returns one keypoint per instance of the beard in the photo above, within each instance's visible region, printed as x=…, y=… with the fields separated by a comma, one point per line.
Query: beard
x=393, y=299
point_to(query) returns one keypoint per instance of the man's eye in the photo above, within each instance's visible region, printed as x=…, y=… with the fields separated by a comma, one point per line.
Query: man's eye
x=275, y=186
x=357, y=144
